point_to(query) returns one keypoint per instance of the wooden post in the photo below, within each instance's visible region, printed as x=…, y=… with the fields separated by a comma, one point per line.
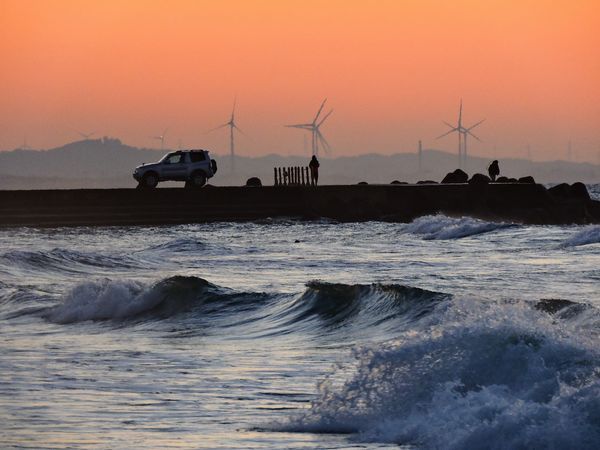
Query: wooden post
x=302, y=171
x=275, y=175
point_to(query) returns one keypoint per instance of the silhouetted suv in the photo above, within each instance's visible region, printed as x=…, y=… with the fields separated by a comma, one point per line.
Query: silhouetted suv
x=192, y=166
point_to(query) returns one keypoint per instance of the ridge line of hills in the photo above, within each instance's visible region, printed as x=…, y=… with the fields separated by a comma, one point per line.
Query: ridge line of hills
x=107, y=162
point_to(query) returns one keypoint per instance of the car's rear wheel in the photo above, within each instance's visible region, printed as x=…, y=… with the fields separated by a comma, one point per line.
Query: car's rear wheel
x=197, y=180
x=149, y=180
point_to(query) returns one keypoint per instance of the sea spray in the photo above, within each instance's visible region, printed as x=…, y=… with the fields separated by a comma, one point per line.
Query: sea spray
x=443, y=227
x=487, y=376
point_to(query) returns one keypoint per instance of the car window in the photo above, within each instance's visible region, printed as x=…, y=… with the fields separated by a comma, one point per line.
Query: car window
x=174, y=158
x=197, y=156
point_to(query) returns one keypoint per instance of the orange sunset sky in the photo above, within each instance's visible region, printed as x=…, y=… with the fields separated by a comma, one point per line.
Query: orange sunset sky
x=392, y=70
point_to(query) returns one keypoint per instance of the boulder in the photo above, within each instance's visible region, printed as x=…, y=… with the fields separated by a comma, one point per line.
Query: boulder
x=502, y=180
x=427, y=182
x=253, y=182
x=479, y=179
x=362, y=182
x=527, y=180
x=578, y=190
x=562, y=190
x=398, y=182
x=458, y=176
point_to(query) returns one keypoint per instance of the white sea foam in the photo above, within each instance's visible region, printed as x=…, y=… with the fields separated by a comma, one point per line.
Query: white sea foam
x=443, y=227
x=104, y=299
x=587, y=235
x=487, y=377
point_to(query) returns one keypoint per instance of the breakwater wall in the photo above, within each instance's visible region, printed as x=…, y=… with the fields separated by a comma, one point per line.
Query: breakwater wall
x=524, y=203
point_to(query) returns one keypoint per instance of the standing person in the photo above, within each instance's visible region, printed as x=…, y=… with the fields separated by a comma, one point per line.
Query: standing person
x=494, y=170
x=314, y=170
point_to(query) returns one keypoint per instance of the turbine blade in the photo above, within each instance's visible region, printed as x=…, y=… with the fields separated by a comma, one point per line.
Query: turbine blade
x=307, y=126
x=216, y=128
x=468, y=132
x=319, y=112
x=165, y=132
x=447, y=133
x=451, y=126
x=239, y=129
x=323, y=141
x=460, y=114
x=324, y=118
x=473, y=126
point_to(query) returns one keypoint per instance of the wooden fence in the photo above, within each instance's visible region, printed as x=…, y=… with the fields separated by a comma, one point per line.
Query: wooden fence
x=292, y=176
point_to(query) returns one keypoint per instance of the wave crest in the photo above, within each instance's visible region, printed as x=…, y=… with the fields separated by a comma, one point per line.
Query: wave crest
x=64, y=260
x=180, y=245
x=107, y=299
x=443, y=227
x=365, y=306
x=588, y=235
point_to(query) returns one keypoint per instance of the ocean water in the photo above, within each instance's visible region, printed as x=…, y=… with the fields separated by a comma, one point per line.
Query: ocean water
x=446, y=332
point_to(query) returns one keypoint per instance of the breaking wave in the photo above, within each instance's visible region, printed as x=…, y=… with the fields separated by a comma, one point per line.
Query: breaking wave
x=487, y=376
x=375, y=303
x=443, y=227
x=321, y=305
x=588, y=235
x=106, y=299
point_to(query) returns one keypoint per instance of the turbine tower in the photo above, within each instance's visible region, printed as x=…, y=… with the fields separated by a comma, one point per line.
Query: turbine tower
x=232, y=126
x=317, y=138
x=25, y=146
x=463, y=133
x=161, y=138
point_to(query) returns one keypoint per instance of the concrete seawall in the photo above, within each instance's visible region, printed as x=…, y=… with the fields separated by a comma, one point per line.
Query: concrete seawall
x=525, y=203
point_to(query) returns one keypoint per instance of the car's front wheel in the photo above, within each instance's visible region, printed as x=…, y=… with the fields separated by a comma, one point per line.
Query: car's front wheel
x=149, y=180
x=197, y=180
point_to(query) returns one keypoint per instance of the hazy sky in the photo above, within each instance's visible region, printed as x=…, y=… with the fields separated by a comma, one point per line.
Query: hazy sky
x=392, y=70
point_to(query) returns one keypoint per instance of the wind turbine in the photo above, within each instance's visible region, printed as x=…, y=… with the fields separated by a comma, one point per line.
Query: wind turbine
x=85, y=136
x=463, y=133
x=232, y=126
x=313, y=127
x=161, y=138
x=25, y=146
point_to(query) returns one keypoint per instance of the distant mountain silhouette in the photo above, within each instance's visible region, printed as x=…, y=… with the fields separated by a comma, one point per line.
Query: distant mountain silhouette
x=107, y=162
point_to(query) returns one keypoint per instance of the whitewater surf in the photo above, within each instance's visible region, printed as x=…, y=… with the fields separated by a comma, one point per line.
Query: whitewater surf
x=446, y=332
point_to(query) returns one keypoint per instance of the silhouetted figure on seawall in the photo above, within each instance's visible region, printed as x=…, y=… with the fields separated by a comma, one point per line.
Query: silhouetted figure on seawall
x=314, y=170
x=494, y=170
